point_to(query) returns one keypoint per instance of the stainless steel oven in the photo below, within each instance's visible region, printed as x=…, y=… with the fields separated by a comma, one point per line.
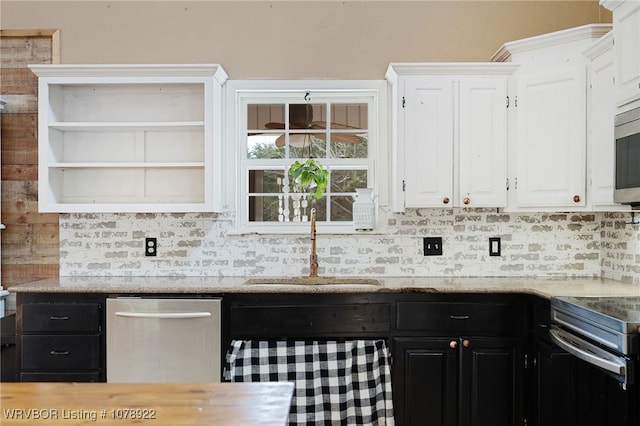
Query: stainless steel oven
x=627, y=148
x=603, y=331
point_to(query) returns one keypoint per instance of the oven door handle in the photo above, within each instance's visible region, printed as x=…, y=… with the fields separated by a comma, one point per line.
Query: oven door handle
x=589, y=352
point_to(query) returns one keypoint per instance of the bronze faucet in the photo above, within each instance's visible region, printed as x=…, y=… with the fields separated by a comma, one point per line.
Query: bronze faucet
x=313, y=258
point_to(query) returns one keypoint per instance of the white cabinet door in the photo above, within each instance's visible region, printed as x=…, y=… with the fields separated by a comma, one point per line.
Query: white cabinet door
x=550, y=146
x=483, y=143
x=626, y=28
x=427, y=139
x=600, y=126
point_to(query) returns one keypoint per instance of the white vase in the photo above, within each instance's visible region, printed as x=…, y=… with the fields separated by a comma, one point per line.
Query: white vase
x=364, y=210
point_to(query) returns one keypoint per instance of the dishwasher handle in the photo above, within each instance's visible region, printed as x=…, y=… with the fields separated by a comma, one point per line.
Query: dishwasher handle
x=168, y=315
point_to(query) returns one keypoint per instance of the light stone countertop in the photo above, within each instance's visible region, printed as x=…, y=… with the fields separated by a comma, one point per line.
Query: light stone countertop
x=545, y=287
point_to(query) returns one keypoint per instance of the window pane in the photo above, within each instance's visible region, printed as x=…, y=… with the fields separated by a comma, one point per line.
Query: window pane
x=349, y=116
x=307, y=116
x=348, y=180
x=264, y=209
x=264, y=146
x=265, y=181
x=349, y=145
x=341, y=209
x=265, y=117
x=307, y=146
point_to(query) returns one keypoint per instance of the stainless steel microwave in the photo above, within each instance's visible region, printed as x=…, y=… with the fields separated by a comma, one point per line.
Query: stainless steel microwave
x=627, y=177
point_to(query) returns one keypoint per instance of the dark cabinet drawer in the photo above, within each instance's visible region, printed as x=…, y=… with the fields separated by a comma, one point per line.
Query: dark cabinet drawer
x=310, y=320
x=458, y=318
x=54, y=352
x=59, y=376
x=61, y=317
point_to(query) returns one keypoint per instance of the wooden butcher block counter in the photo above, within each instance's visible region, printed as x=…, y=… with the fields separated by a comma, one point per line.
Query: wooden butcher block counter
x=217, y=404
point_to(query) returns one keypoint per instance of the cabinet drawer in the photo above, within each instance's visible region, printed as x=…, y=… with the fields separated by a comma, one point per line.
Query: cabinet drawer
x=61, y=317
x=459, y=317
x=310, y=320
x=60, y=376
x=61, y=352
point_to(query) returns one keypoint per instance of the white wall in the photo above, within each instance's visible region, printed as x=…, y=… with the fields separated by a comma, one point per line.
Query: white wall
x=540, y=244
x=293, y=39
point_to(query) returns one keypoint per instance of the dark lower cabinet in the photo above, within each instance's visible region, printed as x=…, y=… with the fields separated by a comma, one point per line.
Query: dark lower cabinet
x=459, y=360
x=458, y=381
x=567, y=391
x=491, y=387
x=571, y=392
x=8, y=348
x=555, y=398
x=60, y=338
x=425, y=385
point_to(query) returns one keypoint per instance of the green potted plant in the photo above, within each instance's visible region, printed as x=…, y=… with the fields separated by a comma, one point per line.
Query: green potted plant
x=308, y=175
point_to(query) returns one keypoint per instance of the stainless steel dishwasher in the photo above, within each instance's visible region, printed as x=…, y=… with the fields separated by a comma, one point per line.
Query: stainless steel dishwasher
x=163, y=340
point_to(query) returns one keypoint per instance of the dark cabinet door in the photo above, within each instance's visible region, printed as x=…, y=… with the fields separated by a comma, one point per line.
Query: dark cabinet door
x=555, y=391
x=491, y=381
x=425, y=381
x=459, y=381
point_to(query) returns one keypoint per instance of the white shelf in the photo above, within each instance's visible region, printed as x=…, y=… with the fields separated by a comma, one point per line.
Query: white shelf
x=126, y=126
x=129, y=138
x=126, y=165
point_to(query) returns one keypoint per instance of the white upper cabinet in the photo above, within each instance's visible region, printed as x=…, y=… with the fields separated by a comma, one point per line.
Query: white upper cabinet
x=129, y=138
x=550, y=143
x=626, y=32
x=483, y=142
x=600, y=125
x=548, y=147
x=427, y=132
x=449, y=134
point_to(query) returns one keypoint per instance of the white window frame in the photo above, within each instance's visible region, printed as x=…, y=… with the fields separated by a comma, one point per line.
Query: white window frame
x=244, y=92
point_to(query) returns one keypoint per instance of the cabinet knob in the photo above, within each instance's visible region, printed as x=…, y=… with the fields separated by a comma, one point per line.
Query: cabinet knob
x=446, y=200
x=466, y=200
x=453, y=344
x=576, y=198
x=466, y=343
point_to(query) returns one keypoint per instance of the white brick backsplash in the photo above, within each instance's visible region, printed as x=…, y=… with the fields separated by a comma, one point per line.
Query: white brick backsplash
x=533, y=244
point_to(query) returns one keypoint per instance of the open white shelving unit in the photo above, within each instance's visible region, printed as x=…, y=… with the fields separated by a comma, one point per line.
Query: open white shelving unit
x=129, y=138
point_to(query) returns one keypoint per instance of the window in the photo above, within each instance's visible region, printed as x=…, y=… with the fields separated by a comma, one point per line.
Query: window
x=336, y=127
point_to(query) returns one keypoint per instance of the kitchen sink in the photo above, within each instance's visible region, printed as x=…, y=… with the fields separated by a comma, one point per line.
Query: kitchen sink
x=333, y=281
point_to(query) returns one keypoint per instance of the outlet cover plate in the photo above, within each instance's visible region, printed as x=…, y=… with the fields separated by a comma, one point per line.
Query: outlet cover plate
x=432, y=246
x=150, y=246
x=494, y=246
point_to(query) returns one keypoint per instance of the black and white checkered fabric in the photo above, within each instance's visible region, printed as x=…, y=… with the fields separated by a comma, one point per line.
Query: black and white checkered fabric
x=336, y=383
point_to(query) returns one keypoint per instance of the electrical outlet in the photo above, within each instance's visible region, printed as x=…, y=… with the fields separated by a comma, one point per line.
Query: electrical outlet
x=432, y=246
x=494, y=246
x=150, y=246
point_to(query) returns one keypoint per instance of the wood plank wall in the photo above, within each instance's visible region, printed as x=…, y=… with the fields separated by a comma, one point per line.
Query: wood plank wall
x=30, y=242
